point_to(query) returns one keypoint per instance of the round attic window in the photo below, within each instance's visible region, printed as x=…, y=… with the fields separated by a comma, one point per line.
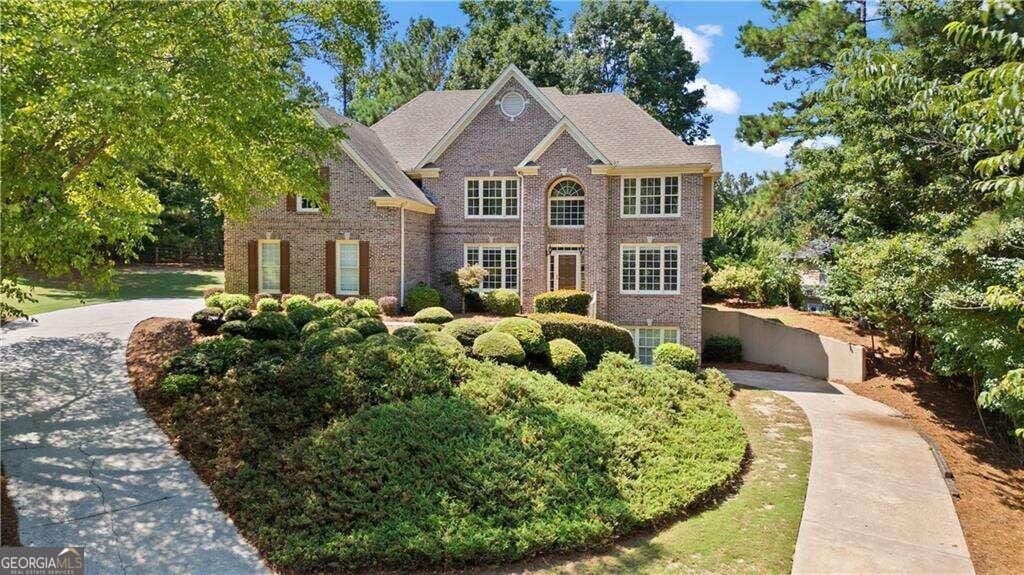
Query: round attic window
x=512, y=104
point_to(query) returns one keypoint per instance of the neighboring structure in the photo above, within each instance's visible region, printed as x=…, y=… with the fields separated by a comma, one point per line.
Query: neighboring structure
x=545, y=190
x=813, y=279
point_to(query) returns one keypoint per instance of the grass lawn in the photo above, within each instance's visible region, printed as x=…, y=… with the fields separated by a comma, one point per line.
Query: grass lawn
x=752, y=531
x=133, y=283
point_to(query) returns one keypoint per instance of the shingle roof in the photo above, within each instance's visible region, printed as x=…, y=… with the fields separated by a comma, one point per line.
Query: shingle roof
x=412, y=130
x=368, y=145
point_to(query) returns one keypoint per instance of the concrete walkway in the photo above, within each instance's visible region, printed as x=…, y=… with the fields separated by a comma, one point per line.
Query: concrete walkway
x=87, y=466
x=876, y=501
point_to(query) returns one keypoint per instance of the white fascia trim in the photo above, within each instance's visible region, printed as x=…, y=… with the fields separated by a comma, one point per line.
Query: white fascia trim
x=510, y=72
x=565, y=125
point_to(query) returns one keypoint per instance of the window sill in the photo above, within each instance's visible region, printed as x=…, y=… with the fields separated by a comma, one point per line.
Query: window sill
x=648, y=216
x=492, y=217
x=566, y=227
x=662, y=293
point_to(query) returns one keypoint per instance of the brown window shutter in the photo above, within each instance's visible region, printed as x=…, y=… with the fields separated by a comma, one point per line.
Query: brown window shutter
x=286, y=268
x=330, y=265
x=364, y=268
x=290, y=203
x=325, y=175
x=254, y=273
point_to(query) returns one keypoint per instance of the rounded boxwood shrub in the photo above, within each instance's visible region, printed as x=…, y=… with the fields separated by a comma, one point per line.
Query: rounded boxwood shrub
x=237, y=313
x=527, y=332
x=388, y=305
x=563, y=301
x=449, y=346
x=269, y=325
x=593, y=336
x=568, y=362
x=429, y=327
x=385, y=338
x=348, y=314
x=502, y=302
x=210, y=357
x=724, y=348
x=294, y=301
x=409, y=332
x=327, y=339
x=500, y=347
x=209, y=318
x=228, y=300
x=268, y=304
x=466, y=330
x=433, y=315
x=367, y=306
x=233, y=328
x=368, y=326
x=323, y=296
x=330, y=305
x=332, y=322
x=677, y=356
x=304, y=311
x=421, y=297
x=181, y=384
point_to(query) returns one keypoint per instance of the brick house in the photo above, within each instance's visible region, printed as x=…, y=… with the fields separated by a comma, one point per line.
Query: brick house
x=544, y=189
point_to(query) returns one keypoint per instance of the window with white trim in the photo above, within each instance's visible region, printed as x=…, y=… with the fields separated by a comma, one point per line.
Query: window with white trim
x=492, y=198
x=650, y=196
x=501, y=262
x=304, y=204
x=270, y=266
x=565, y=205
x=346, y=252
x=649, y=268
x=646, y=339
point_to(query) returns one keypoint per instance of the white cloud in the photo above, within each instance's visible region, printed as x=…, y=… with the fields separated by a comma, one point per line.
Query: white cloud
x=777, y=150
x=709, y=141
x=821, y=142
x=698, y=41
x=717, y=98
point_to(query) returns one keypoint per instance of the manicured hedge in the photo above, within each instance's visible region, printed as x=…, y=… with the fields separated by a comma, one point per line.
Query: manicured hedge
x=725, y=348
x=237, y=313
x=716, y=381
x=563, y=301
x=327, y=339
x=527, y=332
x=209, y=318
x=228, y=300
x=269, y=325
x=233, y=328
x=445, y=343
x=433, y=315
x=367, y=306
x=502, y=302
x=301, y=310
x=593, y=336
x=568, y=362
x=409, y=332
x=421, y=297
x=500, y=347
x=268, y=304
x=466, y=330
x=330, y=305
x=677, y=356
x=368, y=326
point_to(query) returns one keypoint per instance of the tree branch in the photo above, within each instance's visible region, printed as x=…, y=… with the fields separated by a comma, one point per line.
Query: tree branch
x=87, y=159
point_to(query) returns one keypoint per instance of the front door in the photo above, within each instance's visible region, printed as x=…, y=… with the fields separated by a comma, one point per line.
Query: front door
x=567, y=270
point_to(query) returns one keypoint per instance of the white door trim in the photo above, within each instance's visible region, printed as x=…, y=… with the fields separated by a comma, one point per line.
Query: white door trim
x=555, y=254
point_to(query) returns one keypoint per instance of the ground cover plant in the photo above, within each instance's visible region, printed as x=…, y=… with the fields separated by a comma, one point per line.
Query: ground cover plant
x=330, y=450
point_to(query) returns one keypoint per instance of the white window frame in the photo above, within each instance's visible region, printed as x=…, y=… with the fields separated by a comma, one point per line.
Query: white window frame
x=299, y=208
x=552, y=200
x=661, y=187
x=337, y=266
x=259, y=266
x=466, y=248
x=504, y=198
x=623, y=248
x=662, y=330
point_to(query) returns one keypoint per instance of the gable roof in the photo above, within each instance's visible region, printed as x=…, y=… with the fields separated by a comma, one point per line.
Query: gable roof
x=412, y=130
x=366, y=149
x=564, y=126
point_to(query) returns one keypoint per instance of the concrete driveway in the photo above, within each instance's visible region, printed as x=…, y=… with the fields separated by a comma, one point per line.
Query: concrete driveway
x=86, y=465
x=876, y=500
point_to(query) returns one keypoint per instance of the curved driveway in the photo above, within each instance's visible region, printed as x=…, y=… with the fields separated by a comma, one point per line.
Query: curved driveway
x=876, y=501
x=87, y=466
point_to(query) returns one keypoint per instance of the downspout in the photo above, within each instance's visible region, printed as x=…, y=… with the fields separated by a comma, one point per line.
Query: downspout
x=522, y=248
x=401, y=271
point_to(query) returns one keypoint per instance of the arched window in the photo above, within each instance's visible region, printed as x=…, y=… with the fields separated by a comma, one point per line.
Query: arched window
x=565, y=204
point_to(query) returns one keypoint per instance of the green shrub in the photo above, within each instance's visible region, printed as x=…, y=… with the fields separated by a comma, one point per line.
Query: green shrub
x=292, y=301
x=332, y=322
x=368, y=326
x=429, y=327
x=449, y=347
x=330, y=305
x=527, y=332
x=269, y=325
x=228, y=300
x=349, y=301
x=237, y=313
x=409, y=332
x=677, y=356
x=324, y=296
x=302, y=311
x=466, y=330
x=433, y=315
x=208, y=318
x=211, y=357
x=183, y=384
x=233, y=328
x=385, y=338
x=500, y=347
x=367, y=306
x=716, y=381
x=268, y=304
x=740, y=282
x=327, y=339
x=348, y=315
x=568, y=362
x=593, y=336
x=502, y=302
x=724, y=348
x=563, y=301
x=388, y=305
x=421, y=297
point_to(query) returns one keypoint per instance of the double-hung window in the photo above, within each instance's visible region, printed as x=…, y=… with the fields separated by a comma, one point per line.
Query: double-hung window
x=565, y=205
x=304, y=204
x=347, y=255
x=646, y=339
x=650, y=196
x=269, y=266
x=501, y=262
x=649, y=268
x=492, y=198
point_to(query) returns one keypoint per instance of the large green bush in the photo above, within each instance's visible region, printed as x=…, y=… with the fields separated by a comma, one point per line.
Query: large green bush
x=368, y=326
x=269, y=325
x=327, y=339
x=409, y=332
x=593, y=336
x=233, y=328
x=367, y=306
x=268, y=304
x=237, y=313
x=466, y=330
x=563, y=301
x=502, y=302
x=527, y=332
x=211, y=357
x=329, y=305
x=208, y=318
x=724, y=348
x=677, y=356
x=449, y=347
x=301, y=310
x=293, y=301
x=568, y=361
x=500, y=347
x=421, y=297
x=716, y=381
x=433, y=315
x=228, y=300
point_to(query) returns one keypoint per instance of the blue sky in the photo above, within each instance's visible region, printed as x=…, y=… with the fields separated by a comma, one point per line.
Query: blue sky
x=732, y=82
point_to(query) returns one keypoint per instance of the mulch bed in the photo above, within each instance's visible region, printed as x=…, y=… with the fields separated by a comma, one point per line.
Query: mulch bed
x=153, y=341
